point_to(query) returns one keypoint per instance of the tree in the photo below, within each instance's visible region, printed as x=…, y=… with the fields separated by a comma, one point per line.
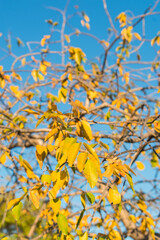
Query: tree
x=79, y=137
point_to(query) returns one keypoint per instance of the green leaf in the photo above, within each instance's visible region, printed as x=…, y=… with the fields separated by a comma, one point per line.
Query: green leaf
x=16, y=210
x=62, y=224
x=91, y=197
x=80, y=218
x=154, y=162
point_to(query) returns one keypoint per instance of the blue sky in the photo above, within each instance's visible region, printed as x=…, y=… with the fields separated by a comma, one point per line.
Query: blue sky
x=26, y=19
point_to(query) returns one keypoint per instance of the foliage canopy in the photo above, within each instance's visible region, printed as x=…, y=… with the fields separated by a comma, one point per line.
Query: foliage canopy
x=79, y=137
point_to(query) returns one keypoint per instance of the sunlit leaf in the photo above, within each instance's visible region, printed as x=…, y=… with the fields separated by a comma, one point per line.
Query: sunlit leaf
x=13, y=202
x=84, y=236
x=55, y=204
x=46, y=179
x=140, y=165
x=85, y=130
x=67, y=38
x=114, y=196
x=43, y=41
x=82, y=157
x=90, y=172
x=138, y=36
x=72, y=154
x=91, y=151
x=34, y=196
x=51, y=133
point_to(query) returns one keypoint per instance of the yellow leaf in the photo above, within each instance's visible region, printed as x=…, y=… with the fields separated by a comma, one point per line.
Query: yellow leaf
x=73, y=152
x=85, y=76
x=50, y=147
x=26, y=165
x=43, y=41
x=30, y=111
x=23, y=61
x=51, y=133
x=142, y=205
x=67, y=143
x=55, y=204
x=2, y=83
x=3, y=157
x=67, y=38
x=86, y=18
x=16, y=91
x=66, y=198
x=22, y=179
x=114, y=196
x=34, y=74
x=54, y=176
x=16, y=75
x=126, y=77
x=41, y=153
x=82, y=157
x=70, y=76
x=109, y=171
x=34, y=196
x=62, y=94
x=122, y=19
x=126, y=33
x=84, y=236
x=40, y=149
x=157, y=126
x=90, y=172
x=91, y=151
x=13, y=202
x=43, y=68
x=46, y=63
x=152, y=41
x=83, y=22
x=140, y=165
x=138, y=36
x=85, y=130
x=77, y=104
x=88, y=26
x=52, y=193
x=114, y=234
x=158, y=40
